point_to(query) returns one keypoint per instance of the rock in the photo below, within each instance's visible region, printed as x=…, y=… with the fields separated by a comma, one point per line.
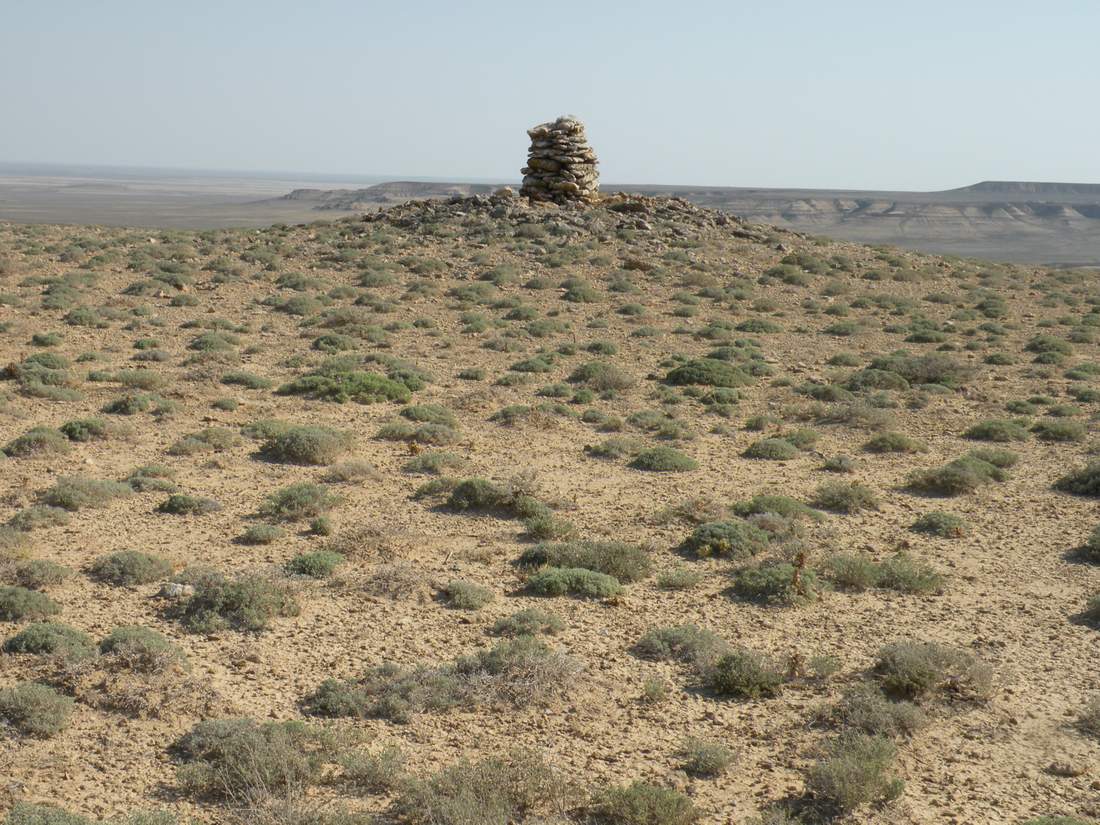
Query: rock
x=175, y=590
x=561, y=166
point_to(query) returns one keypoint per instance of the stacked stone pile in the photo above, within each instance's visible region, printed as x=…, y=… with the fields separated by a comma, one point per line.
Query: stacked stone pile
x=561, y=166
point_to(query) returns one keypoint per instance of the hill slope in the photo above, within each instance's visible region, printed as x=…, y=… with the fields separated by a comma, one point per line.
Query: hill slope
x=366, y=459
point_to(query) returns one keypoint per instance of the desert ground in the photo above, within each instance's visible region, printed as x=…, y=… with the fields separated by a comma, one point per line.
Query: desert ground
x=465, y=512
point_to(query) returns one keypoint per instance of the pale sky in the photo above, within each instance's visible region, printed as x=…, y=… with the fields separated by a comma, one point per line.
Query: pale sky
x=843, y=94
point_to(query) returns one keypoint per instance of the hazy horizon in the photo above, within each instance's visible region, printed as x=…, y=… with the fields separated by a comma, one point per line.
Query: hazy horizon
x=851, y=95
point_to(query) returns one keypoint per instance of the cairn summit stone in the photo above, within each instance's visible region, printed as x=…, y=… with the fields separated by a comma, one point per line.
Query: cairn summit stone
x=561, y=166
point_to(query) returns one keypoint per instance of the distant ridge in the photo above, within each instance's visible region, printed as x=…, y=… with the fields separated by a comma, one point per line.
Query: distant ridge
x=1021, y=187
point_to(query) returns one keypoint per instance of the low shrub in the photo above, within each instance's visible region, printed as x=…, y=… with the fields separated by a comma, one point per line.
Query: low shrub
x=941, y=524
x=844, y=497
x=464, y=595
x=890, y=442
x=128, y=568
x=1082, y=482
x=771, y=449
x=179, y=504
x=38, y=574
x=38, y=441
x=963, y=475
x=307, y=445
x=735, y=539
x=998, y=430
x=1059, y=430
x=705, y=759
x=775, y=582
x=299, y=501
x=685, y=643
x=744, y=674
x=854, y=771
x=19, y=603
x=530, y=621
x=75, y=493
x=34, y=709
x=626, y=562
x=641, y=803
x=573, y=581
x=261, y=534
x=319, y=564
x=248, y=602
x=914, y=670
x=49, y=638
x=866, y=710
x=663, y=460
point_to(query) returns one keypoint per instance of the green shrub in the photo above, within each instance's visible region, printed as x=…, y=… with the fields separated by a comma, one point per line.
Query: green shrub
x=998, y=429
x=38, y=574
x=890, y=442
x=913, y=670
x=685, y=643
x=299, y=501
x=1082, y=482
x=319, y=564
x=771, y=449
x=380, y=772
x=573, y=581
x=464, y=595
x=744, y=674
x=19, y=603
x=248, y=380
x=127, y=568
x=481, y=495
x=866, y=710
x=212, y=439
x=307, y=445
x=179, y=504
x=641, y=804
x=903, y=573
x=844, y=497
x=40, y=515
x=705, y=759
x=617, y=447
x=74, y=493
x=86, y=429
x=854, y=771
x=152, y=477
x=775, y=582
x=434, y=462
x=142, y=648
x=530, y=621
x=34, y=709
x=735, y=539
x=248, y=602
x=708, y=372
x=939, y=523
x=497, y=790
x=49, y=638
x=1059, y=430
x=625, y=562
x=963, y=475
x=261, y=534
x=242, y=759
x=340, y=384
x=663, y=460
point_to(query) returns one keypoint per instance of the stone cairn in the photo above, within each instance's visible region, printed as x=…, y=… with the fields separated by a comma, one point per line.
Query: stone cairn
x=561, y=166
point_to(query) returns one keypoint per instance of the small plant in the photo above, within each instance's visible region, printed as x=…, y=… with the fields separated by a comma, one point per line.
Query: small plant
x=772, y=449
x=49, y=638
x=261, y=534
x=298, y=502
x=530, y=621
x=735, y=539
x=248, y=602
x=1059, y=430
x=179, y=504
x=1082, y=482
x=963, y=475
x=865, y=709
x=744, y=674
x=626, y=562
x=890, y=442
x=307, y=445
x=128, y=568
x=685, y=643
x=38, y=441
x=641, y=804
x=913, y=670
x=464, y=595
x=142, y=649
x=776, y=582
x=941, y=524
x=705, y=759
x=844, y=497
x=679, y=578
x=573, y=581
x=855, y=770
x=320, y=564
x=19, y=603
x=242, y=759
x=998, y=430
x=34, y=709
x=75, y=493
x=38, y=574
x=663, y=460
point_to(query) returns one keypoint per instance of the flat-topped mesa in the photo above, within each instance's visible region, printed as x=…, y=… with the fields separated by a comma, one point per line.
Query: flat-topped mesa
x=561, y=166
